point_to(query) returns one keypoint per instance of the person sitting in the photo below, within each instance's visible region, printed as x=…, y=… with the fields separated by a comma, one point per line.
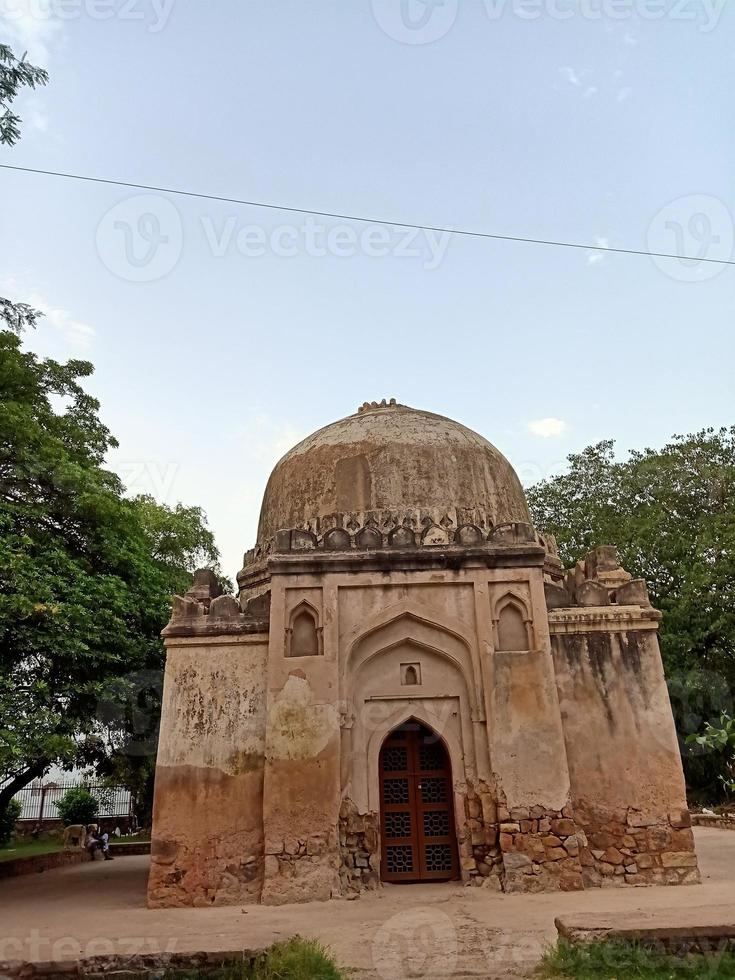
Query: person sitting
x=97, y=841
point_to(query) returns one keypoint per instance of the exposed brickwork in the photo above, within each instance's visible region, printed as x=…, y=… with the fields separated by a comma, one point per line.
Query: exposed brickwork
x=541, y=849
x=628, y=848
x=479, y=849
x=358, y=842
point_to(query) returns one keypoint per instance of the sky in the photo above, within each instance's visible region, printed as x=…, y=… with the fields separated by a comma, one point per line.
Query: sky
x=221, y=334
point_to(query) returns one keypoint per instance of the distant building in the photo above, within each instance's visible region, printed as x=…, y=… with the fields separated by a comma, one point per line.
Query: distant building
x=410, y=687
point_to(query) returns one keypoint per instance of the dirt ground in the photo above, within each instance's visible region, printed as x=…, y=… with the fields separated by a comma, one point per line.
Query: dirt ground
x=401, y=931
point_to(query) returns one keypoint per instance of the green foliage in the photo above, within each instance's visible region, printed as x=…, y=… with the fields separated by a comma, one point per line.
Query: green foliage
x=9, y=816
x=86, y=576
x=295, y=959
x=15, y=73
x=18, y=316
x=721, y=738
x=78, y=805
x=627, y=961
x=671, y=514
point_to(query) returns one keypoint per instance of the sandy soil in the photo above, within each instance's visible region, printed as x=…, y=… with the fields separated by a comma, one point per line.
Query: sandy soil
x=426, y=931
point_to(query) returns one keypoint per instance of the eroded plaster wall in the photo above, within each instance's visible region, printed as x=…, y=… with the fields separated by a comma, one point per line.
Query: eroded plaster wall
x=626, y=774
x=207, y=847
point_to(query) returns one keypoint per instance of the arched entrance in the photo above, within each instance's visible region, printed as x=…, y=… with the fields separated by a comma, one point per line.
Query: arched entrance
x=418, y=839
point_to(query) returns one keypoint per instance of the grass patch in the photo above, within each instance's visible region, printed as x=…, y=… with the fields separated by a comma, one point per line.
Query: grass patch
x=609, y=960
x=296, y=959
x=34, y=848
x=30, y=848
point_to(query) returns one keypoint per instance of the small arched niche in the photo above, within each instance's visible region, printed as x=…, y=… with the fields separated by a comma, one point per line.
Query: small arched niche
x=512, y=626
x=304, y=635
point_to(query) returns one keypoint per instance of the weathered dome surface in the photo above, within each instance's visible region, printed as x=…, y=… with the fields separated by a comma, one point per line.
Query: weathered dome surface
x=394, y=460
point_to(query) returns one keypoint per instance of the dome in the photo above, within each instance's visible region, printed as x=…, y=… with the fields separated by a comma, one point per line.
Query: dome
x=395, y=459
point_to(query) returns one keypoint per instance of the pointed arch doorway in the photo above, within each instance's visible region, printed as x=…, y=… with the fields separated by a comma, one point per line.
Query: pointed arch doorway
x=418, y=839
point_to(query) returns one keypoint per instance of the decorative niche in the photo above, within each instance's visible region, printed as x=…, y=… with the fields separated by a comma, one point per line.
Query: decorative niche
x=410, y=675
x=513, y=625
x=304, y=634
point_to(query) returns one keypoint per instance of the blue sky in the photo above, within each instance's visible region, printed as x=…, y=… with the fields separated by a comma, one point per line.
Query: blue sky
x=222, y=334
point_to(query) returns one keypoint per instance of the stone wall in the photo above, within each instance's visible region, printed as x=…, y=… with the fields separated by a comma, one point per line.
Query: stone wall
x=629, y=848
x=541, y=849
x=207, y=844
x=479, y=845
x=359, y=843
x=627, y=782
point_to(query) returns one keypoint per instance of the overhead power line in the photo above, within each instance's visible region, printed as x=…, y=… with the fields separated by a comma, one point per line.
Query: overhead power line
x=465, y=232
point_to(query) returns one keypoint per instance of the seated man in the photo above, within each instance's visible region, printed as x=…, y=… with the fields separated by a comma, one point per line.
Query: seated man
x=97, y=841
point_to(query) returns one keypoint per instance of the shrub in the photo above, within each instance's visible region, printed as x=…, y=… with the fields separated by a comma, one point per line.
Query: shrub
x=8, y=819
x=77, y=805
x=604, y=959
x=295, y=959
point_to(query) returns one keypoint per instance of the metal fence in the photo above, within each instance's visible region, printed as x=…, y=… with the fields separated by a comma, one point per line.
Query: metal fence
x=37, y=801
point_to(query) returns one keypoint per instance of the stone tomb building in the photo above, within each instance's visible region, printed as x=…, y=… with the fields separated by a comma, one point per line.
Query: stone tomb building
x=410, y=687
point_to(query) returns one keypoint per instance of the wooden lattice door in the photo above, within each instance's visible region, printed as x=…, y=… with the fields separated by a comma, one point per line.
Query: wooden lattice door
x=416, y=807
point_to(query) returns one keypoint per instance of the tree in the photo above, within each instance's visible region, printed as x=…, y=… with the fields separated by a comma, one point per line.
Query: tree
x=86, y=575
x=8, y=819
x=671, y=514
x=78, y=805
x=14, y=74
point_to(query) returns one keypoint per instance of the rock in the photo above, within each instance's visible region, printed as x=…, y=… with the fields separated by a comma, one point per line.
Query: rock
x=679, y=859
x=680, y=819
x=563, y=827
x=571, y=882
x=514, y=861
x=613, y=856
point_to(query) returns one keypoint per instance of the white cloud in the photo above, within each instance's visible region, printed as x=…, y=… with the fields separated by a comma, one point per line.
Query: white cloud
x=33, y=115
x=550, y=428
x=30, y=26
x=573, y=77
x=594, y=257
x=72, y=332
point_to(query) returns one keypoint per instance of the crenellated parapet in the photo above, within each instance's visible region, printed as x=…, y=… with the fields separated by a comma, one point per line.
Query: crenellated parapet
x=205, y=611
x=393, y=544
x=598, y=588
